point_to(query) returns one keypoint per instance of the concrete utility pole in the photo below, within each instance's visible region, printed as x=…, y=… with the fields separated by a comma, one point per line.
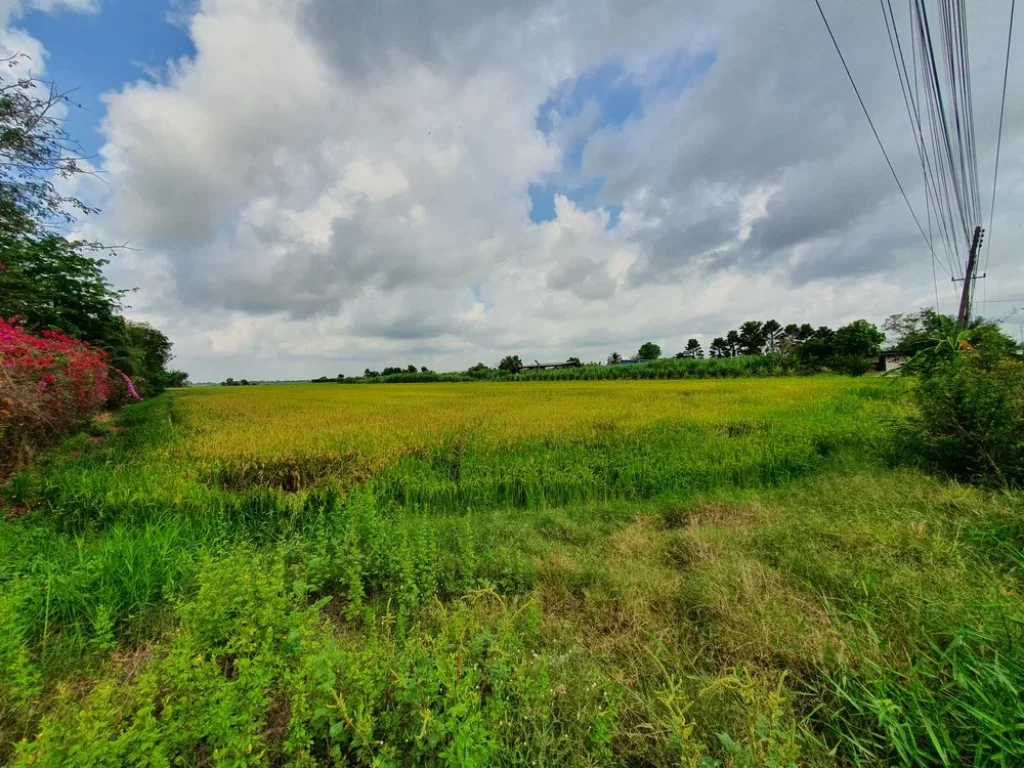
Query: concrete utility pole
x=964, y=316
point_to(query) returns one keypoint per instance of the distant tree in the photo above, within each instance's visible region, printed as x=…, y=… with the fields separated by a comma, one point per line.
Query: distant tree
x=694, y=349
x=680, y=356
x=478, y=368
x=734, y=342
x=229, y=382
x=244, y=383
x=751, y=337
x=649, y=351
x=424, y=369
x=818, y=347
x=410, y=369
x=510, y=363
x=858, y=339
x=368, y=374
x=910, y=333
x=177, y=379
x=771, y=333
x=614, y=358
x=719, y=347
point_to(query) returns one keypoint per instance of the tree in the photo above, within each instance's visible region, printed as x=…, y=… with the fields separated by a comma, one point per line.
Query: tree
x=771, y=332
x=176, y=379
x=733, y=340
x=52, y=283
x=751, y=337
x=859, y=339
x=510, y=364
x=49, y=282
x=368, y=374
x=411, y=369
x=719, y=347
x=649, y=351
x=36, y=153
x=693, y=349
x=424, y=369
x=614, y=358
x=142, y=352
x=910, y=333
x=818, y=346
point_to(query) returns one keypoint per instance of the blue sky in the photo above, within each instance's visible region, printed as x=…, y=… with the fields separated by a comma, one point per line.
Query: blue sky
x=618, y=96
x=126, y=40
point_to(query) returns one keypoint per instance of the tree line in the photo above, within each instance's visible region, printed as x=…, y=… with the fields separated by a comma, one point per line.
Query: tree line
x=47, y=281
x=848, y=349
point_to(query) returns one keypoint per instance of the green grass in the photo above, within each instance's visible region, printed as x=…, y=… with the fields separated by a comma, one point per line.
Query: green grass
x=752, y=587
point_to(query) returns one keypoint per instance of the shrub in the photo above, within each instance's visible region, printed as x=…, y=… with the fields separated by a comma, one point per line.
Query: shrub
x=49, y=385
x=970, y=421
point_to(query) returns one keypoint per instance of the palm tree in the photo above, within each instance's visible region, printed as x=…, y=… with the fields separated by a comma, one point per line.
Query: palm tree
x=694, y=349
x=771, y=331
x=614, y=358
x=719, y=347
x=752, y=337
x=733, y=340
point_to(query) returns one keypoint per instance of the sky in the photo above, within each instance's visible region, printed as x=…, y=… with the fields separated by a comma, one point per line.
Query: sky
x=313, y=187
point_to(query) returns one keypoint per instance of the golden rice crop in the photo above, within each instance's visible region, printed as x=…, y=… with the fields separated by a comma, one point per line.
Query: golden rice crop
x=278, y=421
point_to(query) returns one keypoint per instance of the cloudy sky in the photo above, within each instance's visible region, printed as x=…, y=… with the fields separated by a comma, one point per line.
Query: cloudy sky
x=315, y=186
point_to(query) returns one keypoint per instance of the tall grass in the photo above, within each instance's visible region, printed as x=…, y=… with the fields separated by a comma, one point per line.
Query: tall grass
x=650, y=573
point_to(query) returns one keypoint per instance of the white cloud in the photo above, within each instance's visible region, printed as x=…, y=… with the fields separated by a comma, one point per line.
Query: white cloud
x=325, y=186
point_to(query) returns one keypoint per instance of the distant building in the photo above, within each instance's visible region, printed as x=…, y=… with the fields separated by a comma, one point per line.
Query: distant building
x=629, y=361
x=892, y=361
x=550, y=366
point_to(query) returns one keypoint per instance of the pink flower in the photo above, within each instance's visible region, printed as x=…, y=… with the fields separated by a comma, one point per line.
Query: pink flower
x=128, y=383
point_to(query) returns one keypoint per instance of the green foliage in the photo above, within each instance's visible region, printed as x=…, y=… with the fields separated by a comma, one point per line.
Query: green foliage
x=47, y=281
x=751, y=337
x=693, y=350
x=670, y=368
x=648, y=351
x=510, y=364
x=851, y=350
x=970, y=420
x=55, y=283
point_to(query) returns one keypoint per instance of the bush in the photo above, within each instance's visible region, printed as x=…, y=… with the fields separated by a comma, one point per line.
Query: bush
x=970, y=423
x=49, y=385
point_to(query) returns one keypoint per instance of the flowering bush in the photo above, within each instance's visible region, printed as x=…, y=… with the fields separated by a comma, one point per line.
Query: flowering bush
x=49, y=384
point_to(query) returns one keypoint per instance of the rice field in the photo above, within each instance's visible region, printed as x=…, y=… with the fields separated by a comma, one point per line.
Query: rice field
x=583, y=573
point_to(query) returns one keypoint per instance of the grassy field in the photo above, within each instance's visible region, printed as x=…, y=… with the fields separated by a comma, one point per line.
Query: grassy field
x=657, y=573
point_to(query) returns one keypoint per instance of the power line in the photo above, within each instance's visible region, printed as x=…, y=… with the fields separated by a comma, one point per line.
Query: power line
x=872, y=124
x=999, y=138
x=910, y=101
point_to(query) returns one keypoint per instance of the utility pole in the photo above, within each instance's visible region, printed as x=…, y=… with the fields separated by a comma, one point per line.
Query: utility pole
x=964, y=315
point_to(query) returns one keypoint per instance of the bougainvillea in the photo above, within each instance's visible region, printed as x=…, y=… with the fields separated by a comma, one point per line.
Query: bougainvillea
x=49, y=384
